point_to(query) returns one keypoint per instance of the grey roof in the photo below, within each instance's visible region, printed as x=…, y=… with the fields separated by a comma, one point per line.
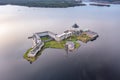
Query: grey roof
x=91, y=32
x=70, y=43
x=75, y=26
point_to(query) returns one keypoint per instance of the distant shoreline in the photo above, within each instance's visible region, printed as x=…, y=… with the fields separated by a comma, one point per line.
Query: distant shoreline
x=45, y=4
x=107, y=2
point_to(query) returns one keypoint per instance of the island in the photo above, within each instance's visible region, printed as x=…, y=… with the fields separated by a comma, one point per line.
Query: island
x=68, y=40
x=44, y=3
x=106, y=1
x=100, y=4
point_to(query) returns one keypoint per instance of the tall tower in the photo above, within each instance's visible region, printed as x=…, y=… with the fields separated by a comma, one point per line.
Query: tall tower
x=75, y=27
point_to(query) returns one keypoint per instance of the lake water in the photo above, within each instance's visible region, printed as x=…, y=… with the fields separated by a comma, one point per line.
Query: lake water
x=97, y=60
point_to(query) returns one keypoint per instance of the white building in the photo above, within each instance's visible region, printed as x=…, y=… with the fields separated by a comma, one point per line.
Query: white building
x=38, y=43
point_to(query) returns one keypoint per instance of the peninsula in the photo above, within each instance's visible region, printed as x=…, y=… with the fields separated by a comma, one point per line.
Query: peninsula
x=44, y=3
x=106, y=1
x=100, y=4
x=68, y=40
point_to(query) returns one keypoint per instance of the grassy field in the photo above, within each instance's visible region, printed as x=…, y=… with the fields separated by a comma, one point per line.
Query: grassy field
x=57, y=45
x=84, y=38
x=45, y=38
x=31, y=59
x=61, y=44
x=26, y=53
x=54, y=44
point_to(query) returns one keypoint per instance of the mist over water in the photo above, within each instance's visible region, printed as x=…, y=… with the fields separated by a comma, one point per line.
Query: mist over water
x=97, y=60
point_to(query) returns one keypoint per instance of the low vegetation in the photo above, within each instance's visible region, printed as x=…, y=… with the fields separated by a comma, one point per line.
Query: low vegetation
x=57, y=45
x=42, y=3
x=54, y=44
x=84, y=38
x=31, y=59
x=45, y=38
x=26, y=53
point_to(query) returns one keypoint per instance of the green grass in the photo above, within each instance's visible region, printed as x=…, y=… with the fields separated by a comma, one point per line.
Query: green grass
x=72, y=38
x=26, y=53
x=45, y=38
x=61, y=44
x=77, y=45
x=57, y=45
x=84, y=38
x=54, y=44
x=51, y=44
x=31, y=59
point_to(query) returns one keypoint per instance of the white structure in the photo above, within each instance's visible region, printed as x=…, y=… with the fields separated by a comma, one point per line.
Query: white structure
x=38, y=43
x=70, y=45
x=62, y=36
x=46, y=33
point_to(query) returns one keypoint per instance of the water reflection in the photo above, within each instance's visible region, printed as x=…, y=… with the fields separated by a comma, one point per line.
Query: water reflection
x=98, y=60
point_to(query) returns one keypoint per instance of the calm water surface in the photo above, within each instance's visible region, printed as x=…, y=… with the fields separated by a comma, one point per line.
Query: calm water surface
x=97, y=60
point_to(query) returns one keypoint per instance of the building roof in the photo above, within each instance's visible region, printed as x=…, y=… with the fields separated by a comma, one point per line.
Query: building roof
x=70, y=45
x=70, y=42
x=60, y=35
x=75, y=26
x=91, y=32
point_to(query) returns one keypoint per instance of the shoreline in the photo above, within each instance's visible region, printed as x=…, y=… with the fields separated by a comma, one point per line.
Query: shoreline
x=67, y=40
x=47, y=5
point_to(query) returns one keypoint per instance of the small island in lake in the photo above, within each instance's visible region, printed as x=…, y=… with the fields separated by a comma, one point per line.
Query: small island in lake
x=68, y=40
x=100, y=4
